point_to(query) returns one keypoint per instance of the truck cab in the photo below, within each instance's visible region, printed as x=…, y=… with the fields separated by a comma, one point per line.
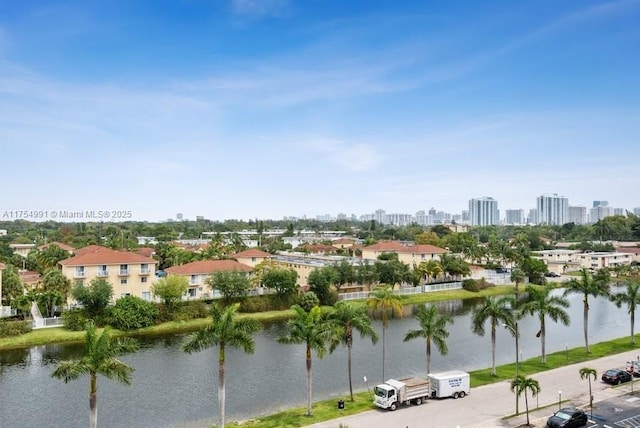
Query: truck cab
x=385, y=396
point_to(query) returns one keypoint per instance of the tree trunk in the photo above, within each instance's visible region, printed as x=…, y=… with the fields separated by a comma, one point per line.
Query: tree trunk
x=93, y=401
x=526, y=405
x=633, y=321
x=384, y=329
x=428, y=356
x=221, y=387
x=349, y=370
x=493, y=349
x=586, y=323
x=309, y=380
x=542, y=339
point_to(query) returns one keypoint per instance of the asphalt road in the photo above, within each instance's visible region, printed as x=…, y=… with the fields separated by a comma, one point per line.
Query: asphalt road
x=494, y=405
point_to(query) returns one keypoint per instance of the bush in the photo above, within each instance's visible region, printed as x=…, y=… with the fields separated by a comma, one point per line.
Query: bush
x=255, y=304
x=475, y=285
x=132, y=313
x=74, y=319
x=191, y=310
x=308, y=301
x=14, y=328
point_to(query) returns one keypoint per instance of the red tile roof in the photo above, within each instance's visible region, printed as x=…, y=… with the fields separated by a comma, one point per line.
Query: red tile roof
x=208, y=267
x=423, y=249
x=28, y=277
x=98, y=255
x=385, y=246
x=252, y=252
x=343, y=241
x=318, y=248
x=629, y=250
x=60, y=245
x=145, y=251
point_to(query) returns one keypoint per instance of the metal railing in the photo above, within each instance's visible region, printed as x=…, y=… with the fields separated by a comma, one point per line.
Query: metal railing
x=427, y=288
x=48, y=323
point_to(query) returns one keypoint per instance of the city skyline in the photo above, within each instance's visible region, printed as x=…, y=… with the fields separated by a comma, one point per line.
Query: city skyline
x=241, y=109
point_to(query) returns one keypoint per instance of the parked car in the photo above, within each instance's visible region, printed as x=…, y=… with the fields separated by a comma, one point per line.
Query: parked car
x=552, y=275
x=569, y=417
x=616, y=376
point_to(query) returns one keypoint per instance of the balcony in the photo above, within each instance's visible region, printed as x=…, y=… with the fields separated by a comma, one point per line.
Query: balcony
x=79, y=274
x=103, y=273
x=123, y=272
x=145, y=271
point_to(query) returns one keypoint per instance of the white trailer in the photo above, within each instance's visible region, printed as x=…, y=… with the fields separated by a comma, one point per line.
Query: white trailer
x=393, y=393
x=453, y=383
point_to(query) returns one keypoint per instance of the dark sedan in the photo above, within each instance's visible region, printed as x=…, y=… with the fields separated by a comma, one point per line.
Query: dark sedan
x=616, y=377
x=569, y=417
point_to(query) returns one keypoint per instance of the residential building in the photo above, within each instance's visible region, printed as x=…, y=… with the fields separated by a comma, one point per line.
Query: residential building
x=22, y=249
x=198, y=272
x=484, y=211
x=552, y=209
x=577, y=214
x=599, y=212
x=371, y=252
x=130, y=274
x=380, y=216
x=251, y=257
x=421, y=218
x=399, y=219
x=304, y=264
x=634, y=251
x=533, y=216
x=29, y=279
x=514, y=217
x=599, y=260
x=61, y=245
x=619, y=211
x=560, y=261
x=408, y=254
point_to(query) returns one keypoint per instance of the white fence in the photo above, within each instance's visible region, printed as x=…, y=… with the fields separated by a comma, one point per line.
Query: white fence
x=428, y=288
x=47, y=323
x=7, y=311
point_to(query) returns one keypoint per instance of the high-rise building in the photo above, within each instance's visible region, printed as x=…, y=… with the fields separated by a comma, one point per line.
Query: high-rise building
x=179, y=217
x=599, y=212
x=577, y=215
x=597, y=204
x=618, y=211
x=552, y=209
x=484, y=211
x=380, y=216
x=514, y=217
x=466, y=218
x=421, y=218
x=532, y=218
x=636, y=211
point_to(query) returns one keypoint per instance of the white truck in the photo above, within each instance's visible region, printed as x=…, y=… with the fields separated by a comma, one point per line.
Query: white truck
x=454, y=383
x=393, y=393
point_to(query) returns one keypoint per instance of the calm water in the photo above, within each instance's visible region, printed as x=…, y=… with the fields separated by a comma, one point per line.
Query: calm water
x=174, y=389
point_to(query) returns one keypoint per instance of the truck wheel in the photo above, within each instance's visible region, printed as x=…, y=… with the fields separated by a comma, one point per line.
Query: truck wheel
x=393, y=407
x=461, y=394
x=455, y=395
x=418, y=401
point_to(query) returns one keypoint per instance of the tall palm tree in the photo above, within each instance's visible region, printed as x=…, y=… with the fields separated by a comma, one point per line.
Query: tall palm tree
x=517, y=276
x=309, y=328
x=543, y=303
x=100, y=352
x=631, y=298
x=588, y=373
x=433, y=328
x=521, y=384
x=432, y=268
x=344, y=319
x=384, y=300
x=497, y=310
x=226, y=329
x=587, y=286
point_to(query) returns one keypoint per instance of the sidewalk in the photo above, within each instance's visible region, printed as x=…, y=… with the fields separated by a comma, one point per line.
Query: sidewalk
x=493, y=406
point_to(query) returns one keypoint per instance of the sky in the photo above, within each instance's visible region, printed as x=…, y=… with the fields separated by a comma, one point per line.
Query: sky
x=250, y=109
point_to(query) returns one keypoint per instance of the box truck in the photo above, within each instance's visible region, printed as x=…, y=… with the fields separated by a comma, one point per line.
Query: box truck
x=453, y=383
x=393, y=393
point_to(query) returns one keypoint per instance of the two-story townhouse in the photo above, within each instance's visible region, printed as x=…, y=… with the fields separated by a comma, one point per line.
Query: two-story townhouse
x=560, y=261
x=22, y=249
x=634, y=251
x=371, y=252
x=599, y=260
x=129, y=273
x=198, y=272
x=413, y=255
x=251, y=257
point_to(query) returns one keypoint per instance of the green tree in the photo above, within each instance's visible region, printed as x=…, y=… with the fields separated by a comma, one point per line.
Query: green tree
x=170, y=289
x=11, y=285
x=311, y=329
x=48, y=300
x=496, y=310
x=54, y=280
x=631, y=298
x=587, y=286
x=433, y=328
x=523, y=384
x=226, y=329
x=49, y=257
x=517, y=276
x=233, y=286
x=132, y=313
x=543, y=303
x=283, y=281
x=344, y=319
x=587, y=373
x=95, y=297
x=100, y=352
x=383, y=300
x=392, y=272
x=320, y=282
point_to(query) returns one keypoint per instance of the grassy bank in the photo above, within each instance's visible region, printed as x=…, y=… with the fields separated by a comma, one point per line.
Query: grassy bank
x=327, y=409
x=61, y=335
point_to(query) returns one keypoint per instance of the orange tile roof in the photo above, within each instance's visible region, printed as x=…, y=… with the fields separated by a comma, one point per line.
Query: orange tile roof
x=423, y=249
x=252, y=252
x=145, y=251
x=105, y=256
x=60, y=245
x=385, y=246
x=318, y=248
x=344, y=241
x=629, y=250
x=208, y=267
x=28, y=277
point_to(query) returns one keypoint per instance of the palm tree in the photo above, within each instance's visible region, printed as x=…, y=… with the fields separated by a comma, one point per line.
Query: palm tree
x=432, y=268
x=521, y=384
x=630, y=297
x=344, y=319
x=100, y=353
x=226, y=329
x=311, y=329
x=433, y=328
x=382, y=299
x=517, y=276
x=587, y=286
x=588, y=373
x=543, y=303
x=498, y=311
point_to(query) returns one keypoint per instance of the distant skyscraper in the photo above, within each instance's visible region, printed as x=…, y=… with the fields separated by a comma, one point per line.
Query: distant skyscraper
x=552, y=209
x=597, y=204
x=599, y=212
x=618, y=211
x=421, y=218
x=465, y=217
x=179, y=216
x=514, y=217
x=636, y=211
x=380, y=216
x=484, y=211
x=577, y=215
x=533, y=216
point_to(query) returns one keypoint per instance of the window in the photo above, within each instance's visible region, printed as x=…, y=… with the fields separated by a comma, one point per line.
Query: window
x=194, y=279
x=146, y=295
x=143, y=279
x=123, y=281
x=192, y=292
x=253, y=259
x=124, y=270
x=199, y=288
x=124, y=294
x=80, y=272
x=144, y=268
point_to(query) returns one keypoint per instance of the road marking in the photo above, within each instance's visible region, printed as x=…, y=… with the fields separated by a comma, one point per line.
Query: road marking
x=632, y=399
x=632, y=422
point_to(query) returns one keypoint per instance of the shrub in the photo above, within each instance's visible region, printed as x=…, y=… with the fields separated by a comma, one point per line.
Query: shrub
x=255, y=304
x=475, y=285
x=132, y=313
x=309, y=300
x=74, y=319
x=191, y=310
x=14, y=328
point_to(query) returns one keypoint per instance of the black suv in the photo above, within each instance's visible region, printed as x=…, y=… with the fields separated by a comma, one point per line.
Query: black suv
x=616, y=377
x=569, y=417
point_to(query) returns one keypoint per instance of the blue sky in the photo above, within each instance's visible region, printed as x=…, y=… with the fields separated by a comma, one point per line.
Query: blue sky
x=271, y=108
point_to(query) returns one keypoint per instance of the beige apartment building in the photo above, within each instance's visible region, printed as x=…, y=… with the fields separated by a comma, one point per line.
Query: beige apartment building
x=251, y=257
x=561, y=261
x=198, y=272
x=22, y=249
x=130, y=274
x=407, y=254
